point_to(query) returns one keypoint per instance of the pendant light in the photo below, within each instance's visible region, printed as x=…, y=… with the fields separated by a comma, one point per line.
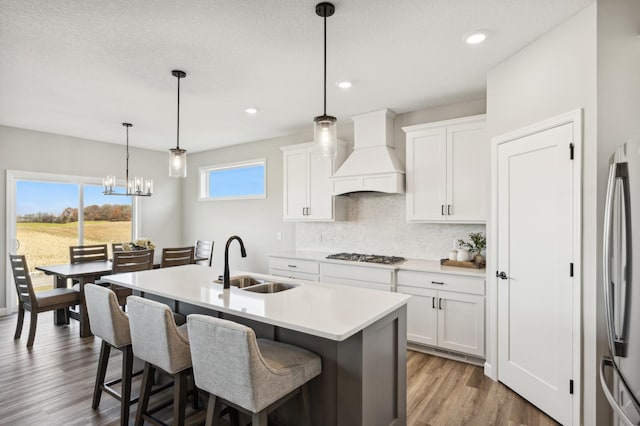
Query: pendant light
x=138, y=186
x=324, y=128
x=178, y=156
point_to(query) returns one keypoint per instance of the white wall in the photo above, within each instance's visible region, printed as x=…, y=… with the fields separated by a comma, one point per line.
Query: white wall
x=553, y=75
x=27, y=150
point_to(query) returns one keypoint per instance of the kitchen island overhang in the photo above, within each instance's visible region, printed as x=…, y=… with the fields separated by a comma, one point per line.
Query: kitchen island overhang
x=360, y=335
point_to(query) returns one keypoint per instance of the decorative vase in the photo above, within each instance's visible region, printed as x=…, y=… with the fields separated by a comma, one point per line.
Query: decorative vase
x=463, y=255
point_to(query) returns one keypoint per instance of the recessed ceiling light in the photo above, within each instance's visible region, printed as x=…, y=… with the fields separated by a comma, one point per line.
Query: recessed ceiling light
x=343, y=84
x=251, y=110
x=476, y=37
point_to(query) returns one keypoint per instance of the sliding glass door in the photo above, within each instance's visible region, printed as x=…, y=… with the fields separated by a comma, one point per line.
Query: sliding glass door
x=48, y=213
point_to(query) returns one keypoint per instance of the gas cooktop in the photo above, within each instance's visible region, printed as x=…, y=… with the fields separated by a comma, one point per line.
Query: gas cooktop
x=371, y=258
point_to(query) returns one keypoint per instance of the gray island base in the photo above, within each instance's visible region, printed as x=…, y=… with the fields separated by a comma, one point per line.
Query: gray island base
x=363, y=379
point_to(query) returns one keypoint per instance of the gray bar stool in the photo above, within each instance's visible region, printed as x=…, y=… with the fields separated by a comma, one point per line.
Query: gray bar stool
x=111, y=324
x=157, y=340
x=253, y=375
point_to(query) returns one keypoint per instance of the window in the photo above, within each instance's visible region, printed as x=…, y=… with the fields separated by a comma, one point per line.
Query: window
x=235, y=181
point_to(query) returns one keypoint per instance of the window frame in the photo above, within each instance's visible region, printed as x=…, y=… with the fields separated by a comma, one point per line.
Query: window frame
x=205, y=171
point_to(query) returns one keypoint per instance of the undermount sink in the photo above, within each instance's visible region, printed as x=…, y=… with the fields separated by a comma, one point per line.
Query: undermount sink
x=269, y=287
x=243, y=281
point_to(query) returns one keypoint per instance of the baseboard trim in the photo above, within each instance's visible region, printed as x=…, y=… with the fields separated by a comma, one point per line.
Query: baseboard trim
x=3, y=312
x=456, y=356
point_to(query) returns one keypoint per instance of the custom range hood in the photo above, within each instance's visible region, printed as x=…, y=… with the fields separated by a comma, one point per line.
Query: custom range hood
x=373, y=165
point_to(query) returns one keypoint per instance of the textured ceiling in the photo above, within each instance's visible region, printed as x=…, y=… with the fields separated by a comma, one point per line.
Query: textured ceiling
x=81, y=67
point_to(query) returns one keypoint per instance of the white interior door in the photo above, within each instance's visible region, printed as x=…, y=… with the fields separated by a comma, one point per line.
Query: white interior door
x=535, y=225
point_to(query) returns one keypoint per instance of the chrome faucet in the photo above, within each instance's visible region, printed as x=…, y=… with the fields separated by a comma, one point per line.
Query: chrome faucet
x=226, y=282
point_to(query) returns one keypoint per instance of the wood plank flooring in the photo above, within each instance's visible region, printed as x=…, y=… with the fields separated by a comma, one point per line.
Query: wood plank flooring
x=52, y=384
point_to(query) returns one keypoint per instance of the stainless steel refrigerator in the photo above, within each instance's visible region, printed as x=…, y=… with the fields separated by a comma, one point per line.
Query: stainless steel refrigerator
x=620, y=369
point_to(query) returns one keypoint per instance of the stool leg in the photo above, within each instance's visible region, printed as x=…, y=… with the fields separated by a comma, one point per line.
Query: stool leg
x=20, y=321
x=127, y=369
x=213, y=411
x=105, y=350
x=145, y=391
x=259, y=419
x=306, y=408
x=179, y=397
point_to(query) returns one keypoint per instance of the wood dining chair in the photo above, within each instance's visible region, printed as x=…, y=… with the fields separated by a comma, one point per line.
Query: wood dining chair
x=204, y=249
x=88, y=253
x=116, y=247
x=28, y=300
x=129, y=261
x=177, y=256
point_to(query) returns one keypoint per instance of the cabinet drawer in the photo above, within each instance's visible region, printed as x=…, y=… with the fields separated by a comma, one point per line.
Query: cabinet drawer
x=449, y=282
x=298, y=265
x=360, y=273
x=295, y=274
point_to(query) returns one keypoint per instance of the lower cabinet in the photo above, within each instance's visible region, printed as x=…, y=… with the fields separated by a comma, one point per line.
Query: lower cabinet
x=445, y=319
x=371, y=277
x=294, y=268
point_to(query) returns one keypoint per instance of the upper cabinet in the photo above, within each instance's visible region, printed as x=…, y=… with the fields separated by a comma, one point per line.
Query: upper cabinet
x=447, y=169
x=306, y=186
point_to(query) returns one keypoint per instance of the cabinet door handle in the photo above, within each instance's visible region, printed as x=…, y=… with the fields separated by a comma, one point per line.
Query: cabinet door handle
x=448, y=209
x=442, y=210
x=437, y=282
x=433, y=303
x=440, y=303
x=308, y=211
x=292, y=266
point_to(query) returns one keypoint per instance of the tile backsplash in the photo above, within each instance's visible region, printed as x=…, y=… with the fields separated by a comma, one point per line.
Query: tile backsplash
x=376, y=224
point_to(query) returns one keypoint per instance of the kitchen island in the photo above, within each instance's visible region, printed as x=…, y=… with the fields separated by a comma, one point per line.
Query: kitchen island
x=360, y=335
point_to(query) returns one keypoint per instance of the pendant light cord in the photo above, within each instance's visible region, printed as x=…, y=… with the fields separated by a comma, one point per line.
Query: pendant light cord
x=126, y=177
x=178, y=127
x=325, y=64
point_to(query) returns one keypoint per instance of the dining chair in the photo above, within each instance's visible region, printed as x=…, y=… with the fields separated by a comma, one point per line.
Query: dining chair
x=129, y=261
x=246, y=373
x=204, y=249
x=116, y=247
x=58, y=298
x=88, y=253
x=177, y=256
x=164, y=346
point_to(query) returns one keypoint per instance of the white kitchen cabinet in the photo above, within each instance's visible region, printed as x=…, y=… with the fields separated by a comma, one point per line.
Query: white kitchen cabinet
x=447, y=164
x=302, y=269
x=371, y=277
x=451, y=319
x=306, y=185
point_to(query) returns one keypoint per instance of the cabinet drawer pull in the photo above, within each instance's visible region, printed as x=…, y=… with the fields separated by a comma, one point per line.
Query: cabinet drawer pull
x=437, y=282
x=433, y=303
x=292, y=266
x=440, y=303
x=442, y=210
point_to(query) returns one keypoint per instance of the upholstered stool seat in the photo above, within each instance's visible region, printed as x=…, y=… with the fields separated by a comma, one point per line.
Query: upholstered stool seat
x=157, y=340
x=255, y=375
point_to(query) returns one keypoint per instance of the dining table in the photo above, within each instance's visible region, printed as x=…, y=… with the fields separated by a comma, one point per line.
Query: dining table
x=87, y=272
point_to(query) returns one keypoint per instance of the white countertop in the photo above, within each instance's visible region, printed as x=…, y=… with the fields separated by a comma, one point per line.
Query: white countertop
x=326, y=310
x=409, y=264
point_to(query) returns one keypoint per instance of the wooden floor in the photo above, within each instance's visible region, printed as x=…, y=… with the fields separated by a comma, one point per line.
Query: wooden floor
x=52, y=384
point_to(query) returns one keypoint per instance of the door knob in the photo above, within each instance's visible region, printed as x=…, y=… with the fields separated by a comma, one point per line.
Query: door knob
x=501, y=275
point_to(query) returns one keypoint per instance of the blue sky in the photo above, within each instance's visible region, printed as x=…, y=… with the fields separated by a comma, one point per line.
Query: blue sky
x=47, y=197
x=237, y=181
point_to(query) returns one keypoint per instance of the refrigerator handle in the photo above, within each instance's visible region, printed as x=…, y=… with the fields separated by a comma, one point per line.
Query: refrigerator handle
x=622, y=416
x=622, y=172
x=606, y=266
